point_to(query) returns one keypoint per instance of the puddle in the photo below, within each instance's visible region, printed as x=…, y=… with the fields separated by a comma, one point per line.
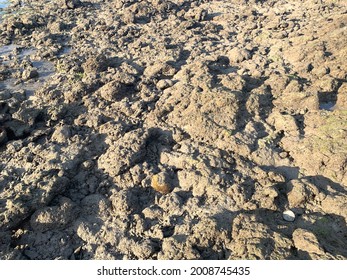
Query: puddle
x=10, y=51
x=4, y=4
x=65, y=51
x=45, y=69
x=328, y=106
x=327, y=100
x=6, y=50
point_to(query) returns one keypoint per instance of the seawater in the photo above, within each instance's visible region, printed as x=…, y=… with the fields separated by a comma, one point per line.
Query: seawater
x=4, y=3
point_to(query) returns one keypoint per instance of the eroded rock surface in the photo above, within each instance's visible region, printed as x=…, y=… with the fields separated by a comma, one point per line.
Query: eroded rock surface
x=173, y=130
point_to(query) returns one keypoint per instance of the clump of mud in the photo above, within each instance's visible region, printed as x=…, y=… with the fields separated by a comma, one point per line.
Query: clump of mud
x=173, y=129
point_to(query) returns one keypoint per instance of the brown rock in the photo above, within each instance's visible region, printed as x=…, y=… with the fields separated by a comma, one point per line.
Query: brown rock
x=162, y=182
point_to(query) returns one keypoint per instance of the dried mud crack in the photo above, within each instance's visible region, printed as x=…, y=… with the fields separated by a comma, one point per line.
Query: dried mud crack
x=173, y=129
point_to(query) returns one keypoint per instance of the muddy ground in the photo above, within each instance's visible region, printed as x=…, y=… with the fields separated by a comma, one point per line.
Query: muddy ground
x=173, y=129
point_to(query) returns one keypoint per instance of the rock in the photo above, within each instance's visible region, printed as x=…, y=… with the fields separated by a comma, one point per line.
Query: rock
x=128, y=17
x=95, y=204
x=168, y=126
x=29, y=199
x=335, y=204
x=162, y=182
x=18, y=128
x=176, y=248
x=28, y=115
x=324, y=142
x=320, y=71
x=306, y=241
x=29, y=74
x=142, y=250
x=153, y=70
x=289, y=216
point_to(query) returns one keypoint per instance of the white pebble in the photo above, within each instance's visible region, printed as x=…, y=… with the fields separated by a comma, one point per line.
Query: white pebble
x=289, y=215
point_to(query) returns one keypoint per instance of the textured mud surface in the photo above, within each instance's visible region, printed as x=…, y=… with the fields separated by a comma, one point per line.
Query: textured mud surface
x=173, y=129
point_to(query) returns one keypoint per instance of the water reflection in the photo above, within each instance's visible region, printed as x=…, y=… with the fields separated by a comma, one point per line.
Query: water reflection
x=4, y=4
x=13, y=52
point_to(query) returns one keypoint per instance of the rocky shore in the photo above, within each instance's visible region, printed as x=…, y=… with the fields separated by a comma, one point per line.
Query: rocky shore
x=162, y=129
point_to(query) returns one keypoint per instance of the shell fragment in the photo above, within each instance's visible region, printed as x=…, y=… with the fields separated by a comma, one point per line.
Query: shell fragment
x=289, y=216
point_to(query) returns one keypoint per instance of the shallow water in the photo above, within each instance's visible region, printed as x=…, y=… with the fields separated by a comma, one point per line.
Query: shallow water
x=4, y=3
x=328, y=106
x=45, y=69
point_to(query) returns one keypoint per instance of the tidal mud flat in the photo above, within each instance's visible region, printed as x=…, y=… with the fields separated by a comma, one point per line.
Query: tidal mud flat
x=173, y=129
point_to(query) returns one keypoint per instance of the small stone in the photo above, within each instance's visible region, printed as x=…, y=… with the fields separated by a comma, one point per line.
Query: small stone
x=284, y=154
x=87, y=164
x=161, y=182
x=289, y=216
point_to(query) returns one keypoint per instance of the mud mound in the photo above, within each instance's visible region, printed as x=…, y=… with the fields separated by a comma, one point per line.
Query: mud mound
x=173, y=129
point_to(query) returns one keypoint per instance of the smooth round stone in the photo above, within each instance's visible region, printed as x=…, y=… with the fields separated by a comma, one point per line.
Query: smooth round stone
x=289, y=215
